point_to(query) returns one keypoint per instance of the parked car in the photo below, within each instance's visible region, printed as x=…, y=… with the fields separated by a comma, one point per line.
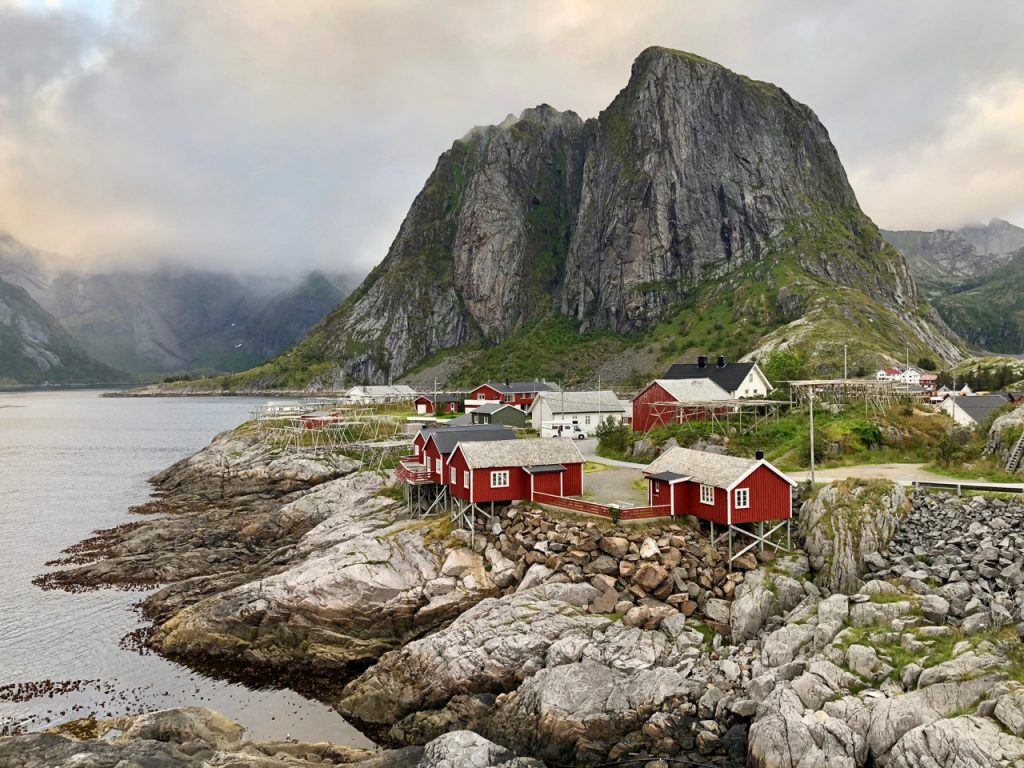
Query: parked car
x=563, y=429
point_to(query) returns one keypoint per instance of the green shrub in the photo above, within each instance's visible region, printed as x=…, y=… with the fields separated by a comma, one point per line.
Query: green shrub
x=870, y=435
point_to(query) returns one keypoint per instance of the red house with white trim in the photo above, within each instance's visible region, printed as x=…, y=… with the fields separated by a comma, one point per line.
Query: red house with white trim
x=725, y=490
x=513, y=470
x=518, y=393
x=448, y=402
x=433, y=447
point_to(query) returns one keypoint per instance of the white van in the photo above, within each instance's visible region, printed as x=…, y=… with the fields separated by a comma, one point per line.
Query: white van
x=562, y=429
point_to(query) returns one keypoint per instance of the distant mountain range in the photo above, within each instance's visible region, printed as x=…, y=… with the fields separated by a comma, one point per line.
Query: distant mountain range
x=35, y=350
x=150, y=323
x=975, y=278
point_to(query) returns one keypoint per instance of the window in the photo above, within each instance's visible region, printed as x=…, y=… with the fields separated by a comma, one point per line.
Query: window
x=707, y=494
x=430, y=464
x=465, y=479
x=742, y=498
x=586, y=420
x=417, y=450
x=453, y=476
x=499, y=479
x=507, y=398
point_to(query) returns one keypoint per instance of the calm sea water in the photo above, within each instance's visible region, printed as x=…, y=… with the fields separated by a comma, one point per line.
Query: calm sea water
x=72, y=462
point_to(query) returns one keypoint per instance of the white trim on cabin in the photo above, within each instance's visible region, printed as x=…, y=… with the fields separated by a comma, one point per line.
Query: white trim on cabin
x=742, y=496
x=761, y=463
x=705, y=497
x=500, y=478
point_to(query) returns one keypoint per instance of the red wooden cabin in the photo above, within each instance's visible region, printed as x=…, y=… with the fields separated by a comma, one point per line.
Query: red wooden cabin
x=513, y=470
x=428, y=405
x=433, y=446
x=654, y=405
x=725, y=490
x=518, y=393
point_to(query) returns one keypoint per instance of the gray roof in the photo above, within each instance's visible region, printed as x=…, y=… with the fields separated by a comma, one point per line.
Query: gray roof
x=702, y=467
x=446, y=438
x=521, y=386
x=494, y=407
x=728, y=376
x=603, y=401
x=980, y=407
x=541, y=469
x=382, y=390
x=693, y=390
x=668, y=477
x=521, y=453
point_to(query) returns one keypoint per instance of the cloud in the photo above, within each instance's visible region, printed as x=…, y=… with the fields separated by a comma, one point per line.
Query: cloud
x=268, y=136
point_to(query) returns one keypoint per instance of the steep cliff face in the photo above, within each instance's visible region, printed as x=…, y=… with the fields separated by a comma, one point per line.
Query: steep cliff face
x=975, y=278
x=36, y=350
x=694, y=185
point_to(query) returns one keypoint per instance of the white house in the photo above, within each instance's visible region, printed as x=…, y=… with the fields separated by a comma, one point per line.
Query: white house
x=587, y=409
x=738, y=379
x=970, y=412
x=889, y=374
x=911, y=376
x=373, y=394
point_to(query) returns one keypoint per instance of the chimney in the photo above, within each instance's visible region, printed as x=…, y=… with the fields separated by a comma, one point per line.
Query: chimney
x=759, y=455
x=702, y=361
x=506, y=382
x=721, y=361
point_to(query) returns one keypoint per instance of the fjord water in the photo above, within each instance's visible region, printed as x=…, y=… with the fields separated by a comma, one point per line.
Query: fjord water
x=72, y=462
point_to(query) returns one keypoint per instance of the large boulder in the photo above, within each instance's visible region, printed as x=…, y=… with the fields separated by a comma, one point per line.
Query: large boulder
x=959, y=742
x=844, y=523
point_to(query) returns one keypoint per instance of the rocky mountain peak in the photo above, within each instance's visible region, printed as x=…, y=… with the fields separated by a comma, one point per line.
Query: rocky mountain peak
x=694, y=182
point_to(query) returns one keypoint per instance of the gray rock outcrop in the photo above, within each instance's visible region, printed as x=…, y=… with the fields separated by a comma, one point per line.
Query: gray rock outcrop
x=846, y=523
x=195, y=737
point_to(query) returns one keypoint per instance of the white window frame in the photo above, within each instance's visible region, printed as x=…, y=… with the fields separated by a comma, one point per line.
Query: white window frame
x=586, y=420
x=500, y=478
x=465, y=479
x=508, y=398
x=707, y=495
x=742, y=498
x=430, y=463
x=417, y=450
x=453, y=475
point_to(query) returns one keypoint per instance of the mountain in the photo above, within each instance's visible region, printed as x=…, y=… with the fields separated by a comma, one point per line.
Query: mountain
x=36, y=350
x=160, y=320
x=701, y=211
x=975, y=278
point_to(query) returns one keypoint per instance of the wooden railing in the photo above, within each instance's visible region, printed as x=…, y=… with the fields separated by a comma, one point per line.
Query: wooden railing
x=602, y=510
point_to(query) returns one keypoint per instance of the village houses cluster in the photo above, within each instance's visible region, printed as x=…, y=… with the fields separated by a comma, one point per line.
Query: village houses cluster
x=469, y=452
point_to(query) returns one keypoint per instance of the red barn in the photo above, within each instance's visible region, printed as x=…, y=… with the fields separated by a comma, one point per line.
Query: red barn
x=725, y=490
x=518, y=393
x=648, y=414
x=513, y=470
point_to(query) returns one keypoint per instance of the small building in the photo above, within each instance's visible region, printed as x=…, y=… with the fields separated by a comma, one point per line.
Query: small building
x=380, y=394
x=432, y=447
x=498, y=413
x=588, y=409
x=725, y=490
x=929, y=381
x=738, y=379
x=889, y=374
x=441, y=402
x=972, y=411
x=649, y=410
x=911, y=376
x=514, y=470
x=518, y=393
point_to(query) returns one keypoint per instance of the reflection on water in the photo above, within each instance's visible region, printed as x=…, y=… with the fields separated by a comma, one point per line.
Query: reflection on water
x=72, y=462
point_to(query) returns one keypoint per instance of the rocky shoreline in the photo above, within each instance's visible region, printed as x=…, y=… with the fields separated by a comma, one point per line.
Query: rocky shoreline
x=892, y=638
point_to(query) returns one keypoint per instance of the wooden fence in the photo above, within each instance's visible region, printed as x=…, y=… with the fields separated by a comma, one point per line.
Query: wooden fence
x=602, y=510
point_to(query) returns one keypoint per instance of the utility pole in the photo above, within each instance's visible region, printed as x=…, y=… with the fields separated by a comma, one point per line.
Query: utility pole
x=599, y=399
x=810, y=401
x=845, y=374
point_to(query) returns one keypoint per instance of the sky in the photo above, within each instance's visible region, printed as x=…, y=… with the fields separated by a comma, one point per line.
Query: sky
x=267, y=136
